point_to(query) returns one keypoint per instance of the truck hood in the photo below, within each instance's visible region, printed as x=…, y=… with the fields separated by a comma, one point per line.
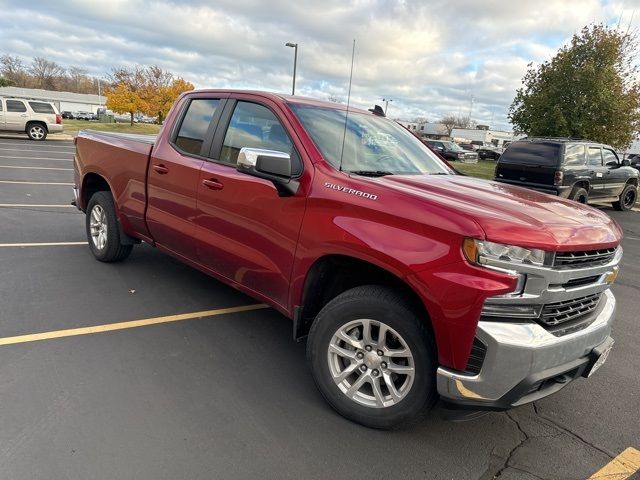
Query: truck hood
x=514, y=215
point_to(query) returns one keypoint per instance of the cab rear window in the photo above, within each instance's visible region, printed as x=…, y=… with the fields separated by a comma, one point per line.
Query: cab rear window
x=526, y=153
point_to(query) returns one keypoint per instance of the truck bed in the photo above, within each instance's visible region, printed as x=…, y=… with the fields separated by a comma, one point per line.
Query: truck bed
x=123, y=159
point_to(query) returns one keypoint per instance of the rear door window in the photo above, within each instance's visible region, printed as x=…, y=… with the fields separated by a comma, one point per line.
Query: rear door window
x=532, y=153
x=41, y=107
x=16, y=106
x=574, y=155
x=594, y=157
x=195, y=124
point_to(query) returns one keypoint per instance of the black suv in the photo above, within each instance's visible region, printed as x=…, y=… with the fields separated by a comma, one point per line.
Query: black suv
x=577, y=169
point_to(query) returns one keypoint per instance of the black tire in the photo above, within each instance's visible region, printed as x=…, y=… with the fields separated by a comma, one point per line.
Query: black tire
x=383, y=305
x=101, y=203
x=37, y=131
x=627, y=199
x=579, y=195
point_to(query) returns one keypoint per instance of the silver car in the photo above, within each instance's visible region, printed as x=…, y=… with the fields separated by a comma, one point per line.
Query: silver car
x=36, y=118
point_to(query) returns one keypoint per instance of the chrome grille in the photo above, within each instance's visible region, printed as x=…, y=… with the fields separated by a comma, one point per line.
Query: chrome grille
x=562, y=312
x=588, y=258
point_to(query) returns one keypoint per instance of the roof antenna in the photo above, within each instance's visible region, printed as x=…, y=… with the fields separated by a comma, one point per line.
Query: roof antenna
x=346, y=117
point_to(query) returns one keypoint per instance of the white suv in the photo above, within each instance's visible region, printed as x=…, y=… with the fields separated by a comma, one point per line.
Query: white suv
x=33, y=117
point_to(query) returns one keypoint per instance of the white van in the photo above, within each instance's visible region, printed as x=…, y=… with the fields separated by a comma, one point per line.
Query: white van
x=36, y=118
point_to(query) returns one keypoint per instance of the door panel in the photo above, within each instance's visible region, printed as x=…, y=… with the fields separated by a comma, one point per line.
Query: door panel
x=597, y=172
x=16, y=115
x=174, y=172
x=615, y=178
x=246, y=231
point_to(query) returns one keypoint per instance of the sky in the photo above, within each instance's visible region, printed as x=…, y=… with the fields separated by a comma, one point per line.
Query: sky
x=430, y=57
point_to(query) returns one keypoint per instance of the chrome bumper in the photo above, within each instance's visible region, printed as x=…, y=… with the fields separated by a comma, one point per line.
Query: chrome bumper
x=520, y=356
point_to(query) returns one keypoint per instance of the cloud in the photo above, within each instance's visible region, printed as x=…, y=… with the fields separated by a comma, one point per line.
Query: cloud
x=431, y=57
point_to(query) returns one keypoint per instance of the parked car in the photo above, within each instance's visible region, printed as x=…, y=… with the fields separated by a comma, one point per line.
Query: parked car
x=468, y=146
x=410, y=282
x=491, y=153
x=84, y=116
x=634, y=160
x=68, y=115
x=451, y=151
x=35, y=118
x=580, y=170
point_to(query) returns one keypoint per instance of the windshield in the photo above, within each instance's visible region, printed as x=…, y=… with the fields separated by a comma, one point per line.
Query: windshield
x=372, y=145
x=454, y=147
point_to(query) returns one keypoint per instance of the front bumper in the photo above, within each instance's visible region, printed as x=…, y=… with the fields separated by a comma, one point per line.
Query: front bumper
x=525, y=362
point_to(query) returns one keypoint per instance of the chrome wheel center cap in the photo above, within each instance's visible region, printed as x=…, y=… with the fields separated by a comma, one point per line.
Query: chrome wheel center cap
x=372, y=360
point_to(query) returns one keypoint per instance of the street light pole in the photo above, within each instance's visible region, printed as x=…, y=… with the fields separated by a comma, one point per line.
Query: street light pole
x=386, y=104
x=295, y=63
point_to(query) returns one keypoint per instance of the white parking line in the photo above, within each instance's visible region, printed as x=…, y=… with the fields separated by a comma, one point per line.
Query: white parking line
x=59, y=152
x=20, y=182
x=47, y=244
x=35, y=147
x=36, y=168
x=23, y=205
x=37, y=158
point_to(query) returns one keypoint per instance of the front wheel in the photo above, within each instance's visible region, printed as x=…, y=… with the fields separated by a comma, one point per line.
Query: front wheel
x=102, y=228
x=372, y=358
x=36, y=131
x=627, y=198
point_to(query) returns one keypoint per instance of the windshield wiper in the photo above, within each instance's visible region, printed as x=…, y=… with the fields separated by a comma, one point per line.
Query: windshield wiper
x=371, y=173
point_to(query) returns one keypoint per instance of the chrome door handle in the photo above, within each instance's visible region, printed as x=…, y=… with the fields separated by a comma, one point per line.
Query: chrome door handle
x=161, y=169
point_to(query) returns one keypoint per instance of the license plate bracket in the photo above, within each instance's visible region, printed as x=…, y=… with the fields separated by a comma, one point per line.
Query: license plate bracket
x=598, y=356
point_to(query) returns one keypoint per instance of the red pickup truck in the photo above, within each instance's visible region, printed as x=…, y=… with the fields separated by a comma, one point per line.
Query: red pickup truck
x=411, y=282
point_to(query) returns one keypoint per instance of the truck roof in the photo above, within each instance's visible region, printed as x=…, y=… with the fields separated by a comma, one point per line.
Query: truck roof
x=281, y=97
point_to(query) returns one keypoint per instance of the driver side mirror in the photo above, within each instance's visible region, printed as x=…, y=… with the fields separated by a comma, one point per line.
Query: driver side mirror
x=626, y=162
x=270, y=165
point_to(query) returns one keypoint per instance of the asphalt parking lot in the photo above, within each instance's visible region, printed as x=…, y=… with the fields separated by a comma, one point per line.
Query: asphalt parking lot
x=226, y=393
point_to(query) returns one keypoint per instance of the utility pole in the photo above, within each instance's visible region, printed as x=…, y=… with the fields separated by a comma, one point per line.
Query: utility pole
x=295, y=63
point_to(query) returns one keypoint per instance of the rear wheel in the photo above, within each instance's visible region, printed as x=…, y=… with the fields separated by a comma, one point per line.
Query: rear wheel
x=36, y=131
x=103, y=232
x=580, y=195
x=372, y=358
x=627, y=198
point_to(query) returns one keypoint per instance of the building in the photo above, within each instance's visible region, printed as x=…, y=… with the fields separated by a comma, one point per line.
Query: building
x=434, y=131
x=64, y=101
x=411, y=126
x=483, y=136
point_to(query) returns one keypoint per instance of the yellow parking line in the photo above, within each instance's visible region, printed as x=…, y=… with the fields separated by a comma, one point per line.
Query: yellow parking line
x=41, y=244
x=35, y=337
x=23, y=205
x=16, y=182
x=621, y=467
x=36, y=168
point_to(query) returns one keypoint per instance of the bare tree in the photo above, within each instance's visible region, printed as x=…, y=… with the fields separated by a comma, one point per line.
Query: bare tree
x=456, y=121
x=13, y=70
x=46, y=73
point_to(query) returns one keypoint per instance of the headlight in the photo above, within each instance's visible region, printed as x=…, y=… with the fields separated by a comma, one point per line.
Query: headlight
x=481, y=251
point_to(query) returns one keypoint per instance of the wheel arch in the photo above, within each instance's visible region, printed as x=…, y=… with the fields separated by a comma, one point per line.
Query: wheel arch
x=35, y=122
x=91, y=183
x=333, y=274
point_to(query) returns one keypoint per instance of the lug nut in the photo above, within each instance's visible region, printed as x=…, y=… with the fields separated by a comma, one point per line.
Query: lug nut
x=363, y=368
x=375, y=373
x=359, y=355
x=383, y=364
x=380, y=353
x=368, y=348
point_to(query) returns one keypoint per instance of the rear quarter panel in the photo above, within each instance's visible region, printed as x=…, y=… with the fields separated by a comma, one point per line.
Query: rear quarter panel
x=122, y=162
